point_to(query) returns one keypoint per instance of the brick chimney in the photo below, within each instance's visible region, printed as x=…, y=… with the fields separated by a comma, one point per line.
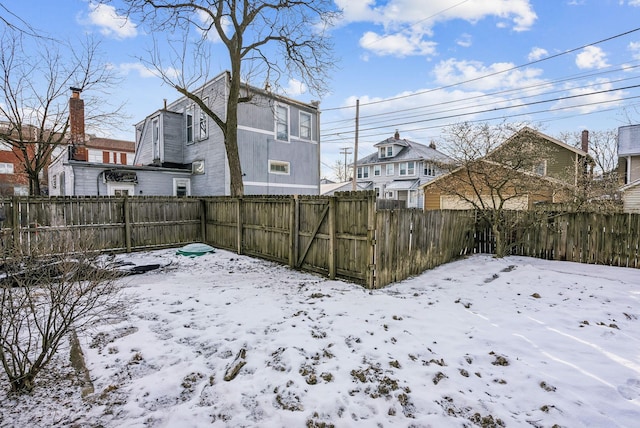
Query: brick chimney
x=396, y=135
x=585, y=141
x=77, y=149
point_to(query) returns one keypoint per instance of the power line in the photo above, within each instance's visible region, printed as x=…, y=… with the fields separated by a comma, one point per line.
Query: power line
x=576, y=77
x=445, y=117
x=475, y=79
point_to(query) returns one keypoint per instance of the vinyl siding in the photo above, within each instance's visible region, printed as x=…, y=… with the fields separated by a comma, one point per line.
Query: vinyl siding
x=631, y=200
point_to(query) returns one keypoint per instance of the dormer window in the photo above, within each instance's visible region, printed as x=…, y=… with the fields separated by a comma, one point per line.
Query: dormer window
x=381, y=152
x=389, y=151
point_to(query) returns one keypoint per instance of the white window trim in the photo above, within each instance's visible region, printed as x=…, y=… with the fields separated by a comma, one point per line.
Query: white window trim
x=180, y=181
x=156, y=140
x=287, y=165
x=393, y=170
x=406, y=167
x=6, y=168
x=112, y=187
x=362, y=172
x=189, y=112
x=305, y=113
x=278, y=106
x=203, y=118
x=544, y=168
x=378, y=169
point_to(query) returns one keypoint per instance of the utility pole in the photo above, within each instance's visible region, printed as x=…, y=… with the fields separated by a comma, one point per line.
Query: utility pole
x=355, y=155
x=345, y=151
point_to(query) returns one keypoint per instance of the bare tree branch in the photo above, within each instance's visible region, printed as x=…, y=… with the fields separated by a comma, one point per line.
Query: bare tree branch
x=268, y=40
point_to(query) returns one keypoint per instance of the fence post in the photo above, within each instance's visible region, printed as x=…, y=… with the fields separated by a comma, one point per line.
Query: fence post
x=203, y=220
x=332, y=237
x=371, y=240
x=127, y=223
x=293, y=231
x=239, y=226
x=15, y=223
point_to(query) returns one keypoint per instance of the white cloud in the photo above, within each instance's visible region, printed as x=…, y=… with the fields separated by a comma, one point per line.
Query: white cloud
x=146, y=72
x=406, y=24
x=634, y=3
x=596, y=101
x=397, y=44
x=591, y=57
x=452, y=72
x=212, y=35
x=634, y=47
x=537, y=53
x=295, y=88
x=464, y=40
x=111, y=24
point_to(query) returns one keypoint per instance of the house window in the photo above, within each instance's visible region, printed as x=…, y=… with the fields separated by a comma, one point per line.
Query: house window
x=278, y=167
x=305, y=125
x=6, y=168
x=429, y=169
x=381, y=152
x=377, y=189
x=120, y=189
x=282, y=123
x=54, y=181
x=96, y=156
x=390, y=169
x=377, y=170
x=181, y=187
x=363, y=172
x=203, y=127
x=155, y=126
x=389, y=151
x=389, y=194
x=407, y=168
x=541, y=168
x=189, y=125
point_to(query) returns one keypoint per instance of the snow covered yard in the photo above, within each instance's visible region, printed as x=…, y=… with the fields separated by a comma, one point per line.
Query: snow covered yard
x=478, y=342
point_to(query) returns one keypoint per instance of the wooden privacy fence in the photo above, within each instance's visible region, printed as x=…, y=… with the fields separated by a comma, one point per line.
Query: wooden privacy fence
x=338, y=236
x=583, y=237
x=329, y=235
x=408, y=242
x=106, y=223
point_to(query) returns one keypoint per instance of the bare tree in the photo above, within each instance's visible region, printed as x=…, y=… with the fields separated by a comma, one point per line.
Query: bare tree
x=45, y=298
x=36, y=75
x=341, y=171
x=494, y=172
x=270, y=40
x=599, y=185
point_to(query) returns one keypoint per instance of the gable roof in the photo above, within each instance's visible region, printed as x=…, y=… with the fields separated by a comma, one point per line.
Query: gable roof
x=498, y=165
x=110, y=144
x=410, y=151
x=557, y=142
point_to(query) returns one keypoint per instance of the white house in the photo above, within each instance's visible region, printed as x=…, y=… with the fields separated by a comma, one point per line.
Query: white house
x=398, y=168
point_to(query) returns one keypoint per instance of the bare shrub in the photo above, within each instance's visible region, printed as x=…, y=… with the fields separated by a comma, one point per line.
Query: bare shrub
x=43, y=298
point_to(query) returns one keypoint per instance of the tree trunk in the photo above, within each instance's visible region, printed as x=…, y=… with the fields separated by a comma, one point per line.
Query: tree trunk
x=34, y=186
x=231, y=133
x=500, y=241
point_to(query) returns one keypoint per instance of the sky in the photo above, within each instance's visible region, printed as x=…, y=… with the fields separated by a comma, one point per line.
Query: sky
x=417, y=66
x=523, y=341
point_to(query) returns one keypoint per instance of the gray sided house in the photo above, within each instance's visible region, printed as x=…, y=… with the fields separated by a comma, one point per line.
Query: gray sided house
x=91, y=166
x=629, y=166
x=278, y=143
x=399, y=168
